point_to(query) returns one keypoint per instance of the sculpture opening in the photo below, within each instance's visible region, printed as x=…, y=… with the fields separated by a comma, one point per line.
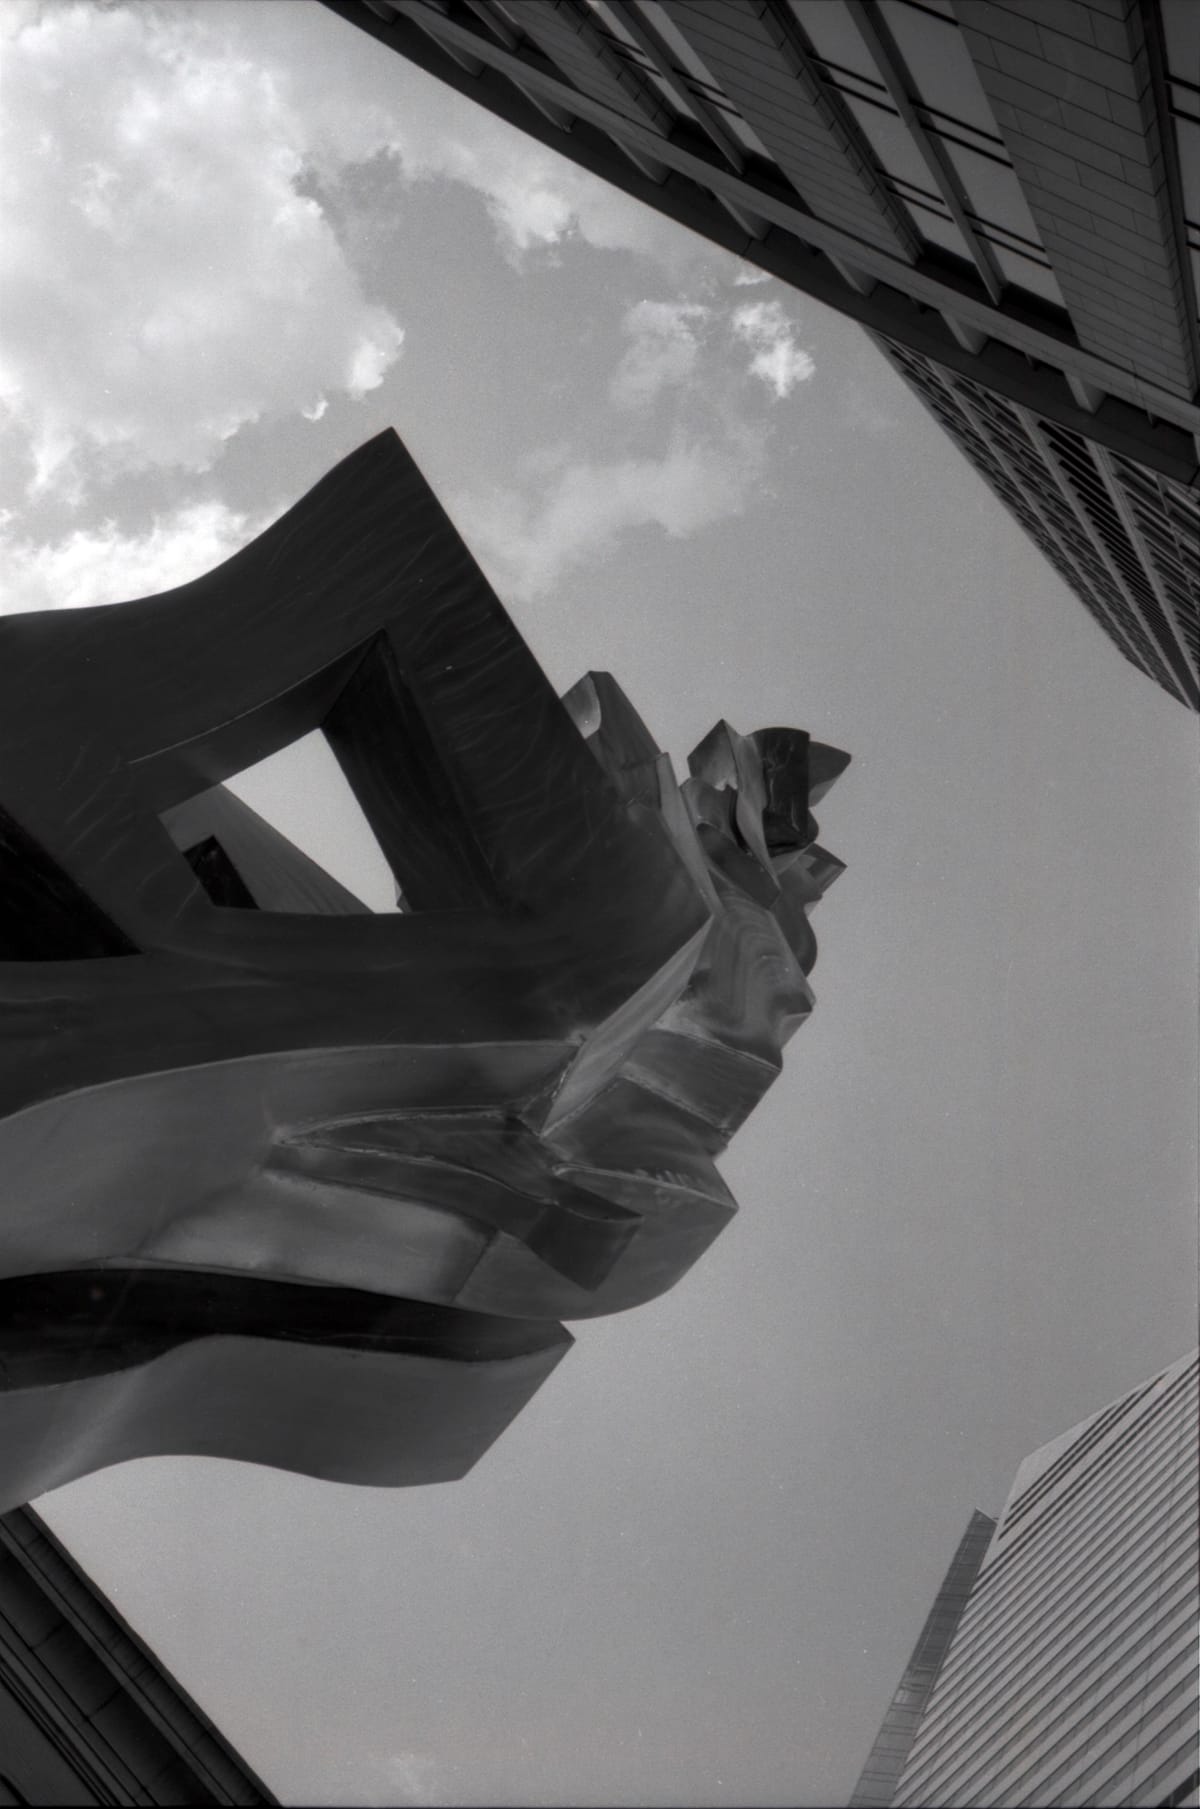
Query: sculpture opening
x=298, y=1184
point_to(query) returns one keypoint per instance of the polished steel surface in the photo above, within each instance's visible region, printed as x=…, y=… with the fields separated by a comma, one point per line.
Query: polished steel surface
x=286, y=1181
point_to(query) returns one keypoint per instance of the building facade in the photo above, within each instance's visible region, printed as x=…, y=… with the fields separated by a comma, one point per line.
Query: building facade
x=1004, y=193
x=87, y=1713
x=881, y=1773
x=1071, y=1675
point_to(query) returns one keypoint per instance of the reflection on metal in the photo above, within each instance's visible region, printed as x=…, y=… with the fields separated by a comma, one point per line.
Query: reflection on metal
x=284, y=1181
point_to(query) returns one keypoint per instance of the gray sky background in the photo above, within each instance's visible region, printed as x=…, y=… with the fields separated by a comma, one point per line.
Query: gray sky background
x=243, y=240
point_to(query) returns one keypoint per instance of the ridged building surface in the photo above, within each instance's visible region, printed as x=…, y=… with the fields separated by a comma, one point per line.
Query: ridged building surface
x=1071, y=1678
x=87, y=1712
x=881, y=1773
x=1004, y=193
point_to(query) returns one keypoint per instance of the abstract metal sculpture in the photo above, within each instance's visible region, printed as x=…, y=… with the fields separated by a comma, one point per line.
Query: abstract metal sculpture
x=285, y=1181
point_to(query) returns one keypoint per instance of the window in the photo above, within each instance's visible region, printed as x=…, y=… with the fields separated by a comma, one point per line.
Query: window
x=940, y=64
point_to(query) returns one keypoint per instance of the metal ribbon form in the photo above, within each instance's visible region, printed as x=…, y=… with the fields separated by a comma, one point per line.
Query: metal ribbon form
x=285, y=1181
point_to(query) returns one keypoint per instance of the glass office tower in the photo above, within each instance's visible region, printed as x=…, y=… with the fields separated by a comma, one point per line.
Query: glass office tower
x=1004, y=193
x=1071, y=1677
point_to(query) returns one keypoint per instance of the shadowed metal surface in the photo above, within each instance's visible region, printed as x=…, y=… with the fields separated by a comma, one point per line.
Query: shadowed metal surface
x=274, y=1182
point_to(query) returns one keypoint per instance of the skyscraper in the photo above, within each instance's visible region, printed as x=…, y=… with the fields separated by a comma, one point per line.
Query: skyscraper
x=87, y=1712
x=1071, y=1674
x=881, y=1773
x=1004, y=193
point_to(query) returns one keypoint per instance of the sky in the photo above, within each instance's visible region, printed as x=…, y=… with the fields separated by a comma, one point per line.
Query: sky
x=240, y=240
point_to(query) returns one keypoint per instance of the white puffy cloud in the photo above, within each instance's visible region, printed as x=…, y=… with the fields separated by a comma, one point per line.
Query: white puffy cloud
x=169, y=277
x=665, y=346
x=358, y=102
x=105, y=565
x=165, y=279
x=535, y=199
x=528, y=538
x=747, y=275
x=668, y=339
x=778, y=360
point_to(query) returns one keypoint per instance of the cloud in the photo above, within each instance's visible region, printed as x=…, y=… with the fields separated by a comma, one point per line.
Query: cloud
x=105, y=565
x=165, y=280
x=665, y=347
x=777, y=360
x=748, y=274
x=668, y=338
x=359, y=103
x=534, y=198
x=527, y=540
x=170, y=278
x=402, y=1777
